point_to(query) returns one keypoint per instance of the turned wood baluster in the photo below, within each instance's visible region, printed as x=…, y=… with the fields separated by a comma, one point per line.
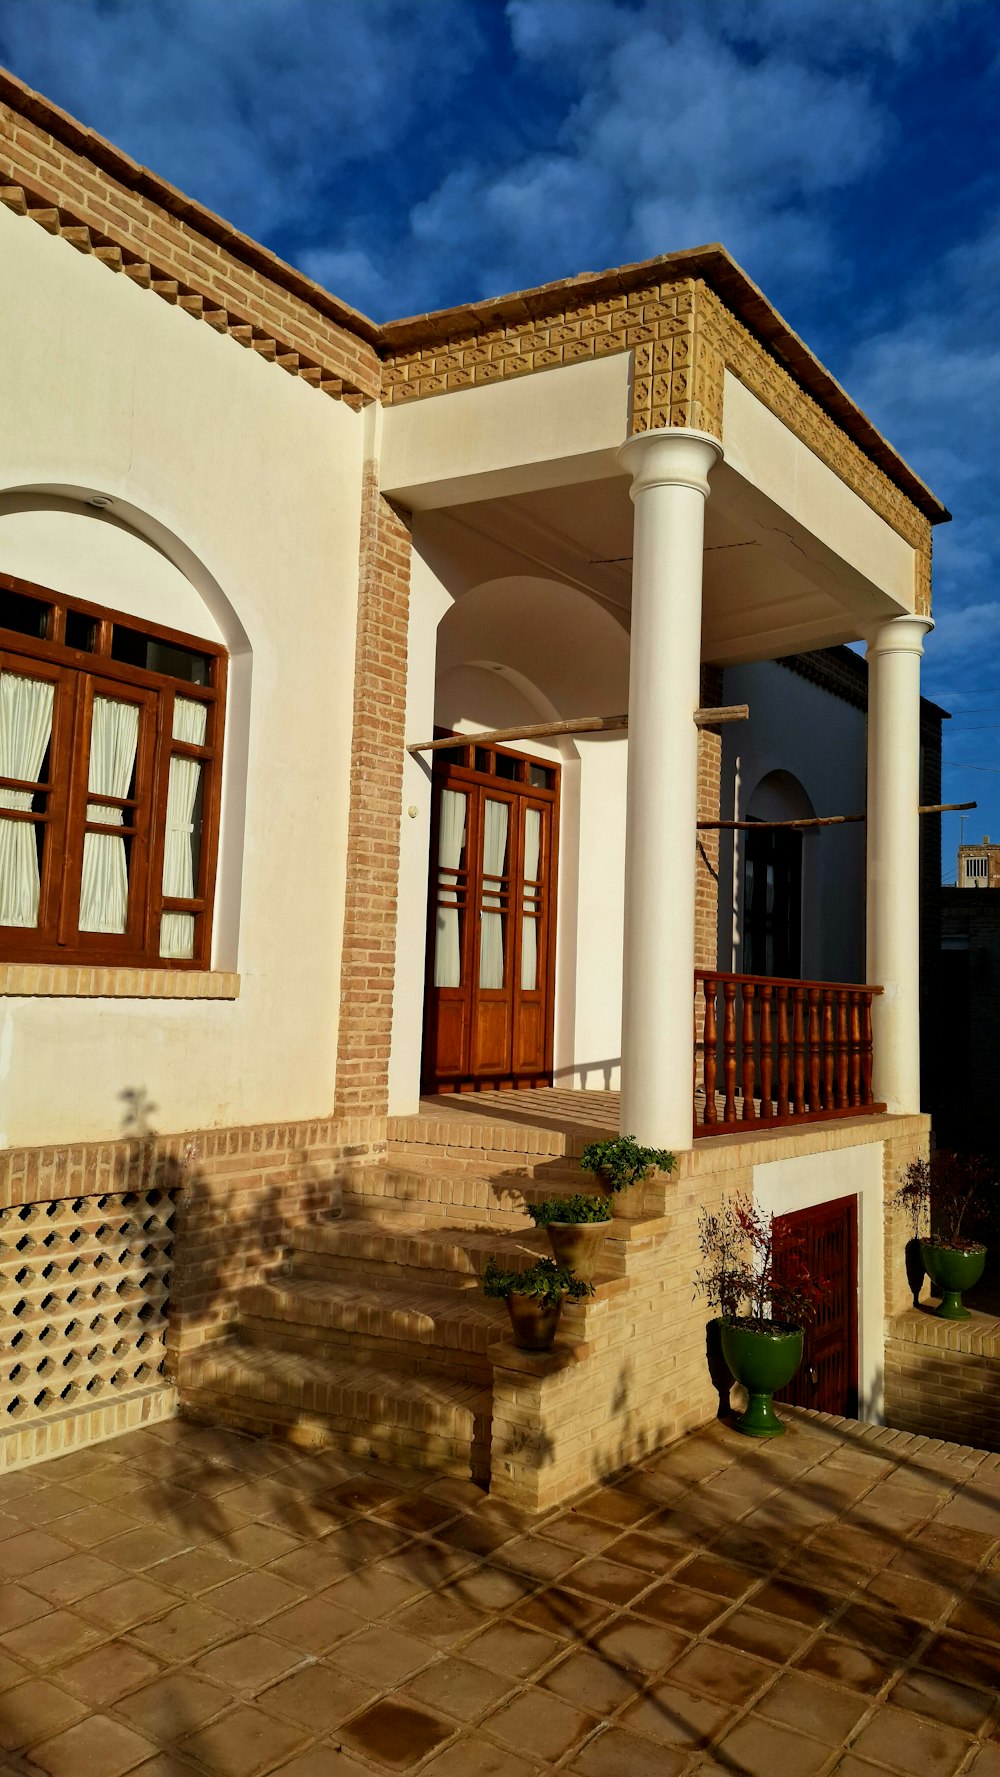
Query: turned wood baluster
x=799, y=1051
x=729, y=1049
x=710, y=1056
x=854, y=1047
x=842, y=1099
x=766, y=1049
x=784, y=1047
x=829, y=1102
x=867, y=1049
x=815, y=1103
x=749, y=1061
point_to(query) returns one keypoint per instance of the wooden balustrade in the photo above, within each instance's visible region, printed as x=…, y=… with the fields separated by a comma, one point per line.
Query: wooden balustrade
x=801, y=1051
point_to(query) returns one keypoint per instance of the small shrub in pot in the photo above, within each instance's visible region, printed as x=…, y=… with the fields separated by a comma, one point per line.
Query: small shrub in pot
x=621, y=1167
x=534, y=1299
x=577, y=1228
x=955, y=1192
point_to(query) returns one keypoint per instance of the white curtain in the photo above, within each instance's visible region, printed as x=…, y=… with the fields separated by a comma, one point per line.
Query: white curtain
x=177, y=929
x=114, y=737
x=529, y=926
x=491, y=923
x=25, y=727
x=448, y=938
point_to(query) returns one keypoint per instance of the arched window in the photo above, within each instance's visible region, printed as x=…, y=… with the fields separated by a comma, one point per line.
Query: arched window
x=110, y=776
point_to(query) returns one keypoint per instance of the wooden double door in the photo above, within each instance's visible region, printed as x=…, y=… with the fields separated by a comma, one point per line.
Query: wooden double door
x=828, y=1376
x=488, y=1010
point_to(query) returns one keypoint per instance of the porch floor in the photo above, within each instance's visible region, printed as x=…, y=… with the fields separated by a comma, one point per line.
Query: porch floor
x=579, y=1116
x=189, y=1601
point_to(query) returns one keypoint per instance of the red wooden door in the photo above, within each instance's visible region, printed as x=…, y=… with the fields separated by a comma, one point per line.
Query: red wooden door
x=828, y=1378
x=491, y=936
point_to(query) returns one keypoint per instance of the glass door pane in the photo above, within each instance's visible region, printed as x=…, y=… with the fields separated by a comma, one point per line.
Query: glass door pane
x=451, y=889
x=114, y=741
x=26, y=707
x=495, y=895
x=531, y=899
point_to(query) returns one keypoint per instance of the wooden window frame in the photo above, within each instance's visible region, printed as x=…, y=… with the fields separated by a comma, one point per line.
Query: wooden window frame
x=78, y=676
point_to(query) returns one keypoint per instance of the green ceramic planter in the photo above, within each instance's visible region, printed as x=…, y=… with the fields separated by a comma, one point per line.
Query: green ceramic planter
x=951, y=1270
x=763, y=1362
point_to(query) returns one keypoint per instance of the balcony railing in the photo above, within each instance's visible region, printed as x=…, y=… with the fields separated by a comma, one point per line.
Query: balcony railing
x=770, y=1051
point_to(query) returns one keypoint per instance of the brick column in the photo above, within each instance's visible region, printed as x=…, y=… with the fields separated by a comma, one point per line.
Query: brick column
x=369, y=956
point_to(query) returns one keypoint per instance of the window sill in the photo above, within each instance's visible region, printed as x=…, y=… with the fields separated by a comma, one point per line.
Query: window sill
x=78, y=981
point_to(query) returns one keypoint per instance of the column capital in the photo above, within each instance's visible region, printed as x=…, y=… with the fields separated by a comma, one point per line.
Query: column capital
x=674, y=456
x=898, y=635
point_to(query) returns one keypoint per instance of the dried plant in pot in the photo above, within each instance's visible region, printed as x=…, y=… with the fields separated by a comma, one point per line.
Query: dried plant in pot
x=954, y=1193
x=577, y=1228
x=763, y=1296
x=621, y=1167
x=534, y=1299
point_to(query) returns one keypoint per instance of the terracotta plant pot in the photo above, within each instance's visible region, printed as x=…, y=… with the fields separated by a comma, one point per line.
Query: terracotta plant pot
x=577, y=1246
x=534, y=1322
x=763, y=1362
x=627, y=1203
x=951, y=1270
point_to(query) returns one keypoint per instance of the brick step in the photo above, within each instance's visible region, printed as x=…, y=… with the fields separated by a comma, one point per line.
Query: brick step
x=455, y=1327
x=399, y=1248
x=436, y=1189
x=505, y=1172
x=423, y=1420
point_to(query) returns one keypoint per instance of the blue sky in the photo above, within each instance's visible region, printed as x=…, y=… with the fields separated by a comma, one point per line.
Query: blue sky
x=416, y=153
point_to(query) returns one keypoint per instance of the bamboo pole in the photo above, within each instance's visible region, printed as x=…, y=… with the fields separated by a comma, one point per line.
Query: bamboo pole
x=732, y=712
x=825, y=820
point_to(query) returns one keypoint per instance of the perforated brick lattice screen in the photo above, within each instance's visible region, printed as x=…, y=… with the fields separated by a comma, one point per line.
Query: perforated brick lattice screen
x=83, y=1301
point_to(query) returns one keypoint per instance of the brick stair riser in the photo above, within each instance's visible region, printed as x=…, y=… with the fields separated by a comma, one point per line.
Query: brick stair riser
x=405, y=1356
x=512, y=1172
x=462, y=1323
x=397, y=1258
x=438, y=1195
x=459, y=1456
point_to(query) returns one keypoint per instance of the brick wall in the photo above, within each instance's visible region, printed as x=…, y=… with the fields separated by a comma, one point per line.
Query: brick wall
x=942, y=1378
x=377, y=754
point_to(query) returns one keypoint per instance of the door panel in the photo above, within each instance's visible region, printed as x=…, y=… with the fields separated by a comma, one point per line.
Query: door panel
x=489, y=996
x=828, y=1378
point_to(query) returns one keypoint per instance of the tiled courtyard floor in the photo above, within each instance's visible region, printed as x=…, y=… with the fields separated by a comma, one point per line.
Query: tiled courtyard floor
x=187, y=1601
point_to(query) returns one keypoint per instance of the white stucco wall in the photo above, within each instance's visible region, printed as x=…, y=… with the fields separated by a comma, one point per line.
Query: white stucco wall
x=783, y=1186
x=797, y=727
x=236, y=513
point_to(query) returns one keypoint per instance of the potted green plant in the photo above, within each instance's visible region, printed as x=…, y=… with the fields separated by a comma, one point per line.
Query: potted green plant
x=763, y=1294
x=621, y=1167
x=577, y=1228
x=951, y=1191
x=534, y=1299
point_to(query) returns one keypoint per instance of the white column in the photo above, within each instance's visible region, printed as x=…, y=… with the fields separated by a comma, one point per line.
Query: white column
x=669, y=472
x=893, y=886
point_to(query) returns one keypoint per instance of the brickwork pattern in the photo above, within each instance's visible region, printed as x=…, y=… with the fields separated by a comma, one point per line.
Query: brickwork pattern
x=942, y=1378
x=70, y=194
x=54, y=980
x=377, y=754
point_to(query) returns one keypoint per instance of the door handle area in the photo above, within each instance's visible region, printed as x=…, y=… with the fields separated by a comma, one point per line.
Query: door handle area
x=813, y=1377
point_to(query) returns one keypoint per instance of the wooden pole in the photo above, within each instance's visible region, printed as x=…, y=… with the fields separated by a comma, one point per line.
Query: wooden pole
x=826, y=820
x=733, y=712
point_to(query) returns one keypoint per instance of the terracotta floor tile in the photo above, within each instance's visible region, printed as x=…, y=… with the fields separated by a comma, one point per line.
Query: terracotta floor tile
x=253, y=1597
x=442, y=1618
x=361, y=1494
x=52, y=1639
x=196, y=1571
x=93, y=1525
x=760, y=1748
x=78, y=1576
x=814, y=1708
x=636, y=1549
x=707, y=1573
x=986, y=1762
x=319, y=1761
x=635, y=1646
x=909, y=1596
x=12, y=1672
x=130, y=1602
x=670, y=1603
x=374, y=1591
x=511, y=1649
x=313, y=1567
x=593, y=1683
x=731, y=1677
x=243, y=1743
x=979, y=1617
x=610, y=1580
x=107, y=1673
x=30, y=1552
x=42, y=1504
x=956, y=1657
x=676, y=1717
x=753, y=1633
x=611, y=1506
x=249, y=1663
x=97, y=1747
x=475, y=1757
x=314, y=1626
x=397, y=1735
x=539, y=1725
x=905, y=1743
x=255, y=1544
x=457, y=1688
x=941, y=1699
x=475, y=1536
x=536, y=1557
x=18, y=1605
x=143, y=1547
x=616, y=1753
x=316, y=1697
x=33, y=1710
x=886, y=1630
x=183, y=1633
x=585, y=1535
x=785, y=1598
x=382, y=1657
x=416, y=1512
x=492, y=1587
x=558, y=1612
x=845, y=1664
x=174, y=1706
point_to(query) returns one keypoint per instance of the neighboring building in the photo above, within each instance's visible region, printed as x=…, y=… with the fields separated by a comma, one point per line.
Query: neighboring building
x=979, y=865
x=256, y=553
x=962, y=1061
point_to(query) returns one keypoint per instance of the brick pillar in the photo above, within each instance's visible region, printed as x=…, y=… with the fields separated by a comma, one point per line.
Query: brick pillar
x=369, y=956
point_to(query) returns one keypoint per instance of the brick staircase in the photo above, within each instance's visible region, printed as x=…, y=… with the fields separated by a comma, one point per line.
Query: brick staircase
x=371, y=1335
